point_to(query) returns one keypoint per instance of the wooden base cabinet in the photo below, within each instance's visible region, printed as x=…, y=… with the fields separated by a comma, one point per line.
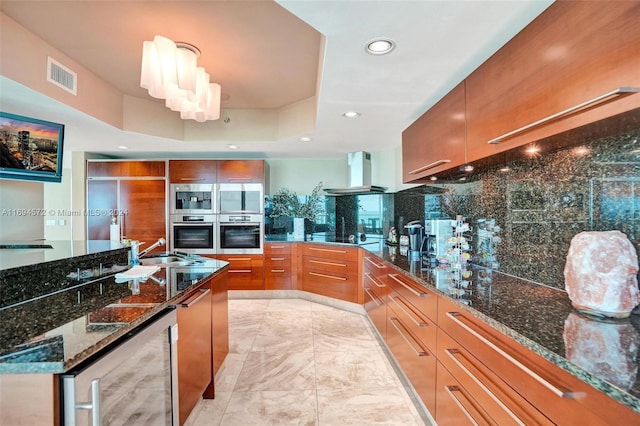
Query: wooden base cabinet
x=245, y=271
x=219, y=326
x=332, y=271
x=278, y=266
x=376, y=293
x=194, y=348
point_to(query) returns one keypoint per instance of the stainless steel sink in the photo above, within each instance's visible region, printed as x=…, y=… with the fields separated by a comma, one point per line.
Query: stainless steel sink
x=165, y=260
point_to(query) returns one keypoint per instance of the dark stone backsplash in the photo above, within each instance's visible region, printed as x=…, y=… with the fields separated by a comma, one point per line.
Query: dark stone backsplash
x=540, y=203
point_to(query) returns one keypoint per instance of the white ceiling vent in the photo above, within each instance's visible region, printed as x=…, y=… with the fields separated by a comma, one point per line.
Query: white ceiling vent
x=61, y=76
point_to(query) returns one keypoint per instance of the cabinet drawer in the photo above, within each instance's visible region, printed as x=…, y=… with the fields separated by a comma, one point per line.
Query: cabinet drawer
x=330, y=251
x=560, y=396
x=375, y=296
x=503, y=405
x=455, y=406
x=338, y=286
x=277, y=277
x=416, y=361
x=422, y=328
x=375, y=266
x=339, y=267
x=277, y=248
x=274, y=260
x=425, y=300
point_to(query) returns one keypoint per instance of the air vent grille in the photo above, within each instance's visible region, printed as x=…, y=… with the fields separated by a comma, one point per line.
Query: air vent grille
x=61, y=76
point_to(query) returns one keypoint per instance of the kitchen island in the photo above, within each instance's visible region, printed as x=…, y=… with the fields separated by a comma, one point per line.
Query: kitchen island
x=62, y=305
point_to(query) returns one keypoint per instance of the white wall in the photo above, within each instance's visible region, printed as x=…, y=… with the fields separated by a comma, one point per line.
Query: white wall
x=302, y=175
x=21, y=210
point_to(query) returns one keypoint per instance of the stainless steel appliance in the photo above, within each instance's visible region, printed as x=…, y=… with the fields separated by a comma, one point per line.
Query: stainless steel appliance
x=135, y=382
x=240, y=198
x=241, y=234
x=193, y=233
x=416, y=237
x=437, y=232
x=197, y=198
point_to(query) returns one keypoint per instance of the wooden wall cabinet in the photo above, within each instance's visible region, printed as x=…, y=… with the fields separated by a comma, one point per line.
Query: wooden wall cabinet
x=332, y=271
x=573, y=52
x=245, y=271
x=435, y=141
x=135, y=191
x=193, y=171
x=241, y=171
x=279, y=259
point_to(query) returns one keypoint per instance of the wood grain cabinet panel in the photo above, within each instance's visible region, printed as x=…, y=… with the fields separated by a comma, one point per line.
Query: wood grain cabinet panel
x=573, y=52
x=241, y=171
x=118, y=168
x=376, y=292
x=193, y=171
x=560, y=396
x=435, y=141
x=219, y=326
x=245, y=271
x=415, y=294
x=194, y=348
x=332, y=271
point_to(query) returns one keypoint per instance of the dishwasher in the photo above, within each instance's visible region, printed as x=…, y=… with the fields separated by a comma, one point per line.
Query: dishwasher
x=133, y=382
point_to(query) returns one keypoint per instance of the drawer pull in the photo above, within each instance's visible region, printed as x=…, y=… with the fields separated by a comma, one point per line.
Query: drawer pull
x=429, y=166
x=276, y=247
x=192, y=179
x=277, y=270
x=277, y=258
x=617, y=92
x=193, y=299
x=373, y=297
x=373, y=280
x=231, y=259
x=374, y=263
x=240, y=270
x=328, y=276
x=452, y=390
x=393, y=321
x=451, y=353
x=329, y=250
x=562, y=393
x=408, y=312
x=412, y=290
x=327, y=263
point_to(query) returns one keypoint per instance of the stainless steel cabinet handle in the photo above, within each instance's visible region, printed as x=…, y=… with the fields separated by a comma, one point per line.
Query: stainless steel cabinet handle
x=407, y=312
x=452, y=390
x=243, y=179
x=557, y=390
x=277, y=270
x=239, y=270
x=328, y=276
x=373, y=280
x=192, y=179
x=94, y=405
x=428, y=166
x=373, y=297
x=412, y=290
x=420, y=352
x=617, y=92
x=231, y=259
x=329, y=250
x=374, y=263
x=453, y=354
x=277, y=258
x=342, y=265
x=194, y=299
x=276, y=247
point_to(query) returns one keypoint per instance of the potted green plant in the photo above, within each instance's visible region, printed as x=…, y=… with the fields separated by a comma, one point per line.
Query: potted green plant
x=288, y=203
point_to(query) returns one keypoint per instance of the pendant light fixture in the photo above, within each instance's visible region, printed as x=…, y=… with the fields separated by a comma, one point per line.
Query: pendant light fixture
x=170, y=72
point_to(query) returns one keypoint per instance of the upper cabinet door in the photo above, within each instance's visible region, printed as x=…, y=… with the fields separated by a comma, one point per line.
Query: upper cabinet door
x=241, y=171
x=435, y=141
x=572, y=53
x=193, y=171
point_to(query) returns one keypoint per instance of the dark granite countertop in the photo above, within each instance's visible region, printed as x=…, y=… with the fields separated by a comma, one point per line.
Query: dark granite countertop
x=54, y=331
x=542, y=319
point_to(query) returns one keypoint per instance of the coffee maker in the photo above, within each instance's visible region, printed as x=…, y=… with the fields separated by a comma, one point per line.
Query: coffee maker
x=415, y=230
x=437, y=232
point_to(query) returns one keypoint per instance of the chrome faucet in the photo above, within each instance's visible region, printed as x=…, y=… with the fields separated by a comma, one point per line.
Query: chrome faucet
x=160, y=242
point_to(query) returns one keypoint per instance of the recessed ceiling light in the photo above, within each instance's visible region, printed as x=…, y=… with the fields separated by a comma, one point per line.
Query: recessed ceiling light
x=351, y=114
x=305, y=139
x=380, y=46
x=122, y=147
x=232, y=146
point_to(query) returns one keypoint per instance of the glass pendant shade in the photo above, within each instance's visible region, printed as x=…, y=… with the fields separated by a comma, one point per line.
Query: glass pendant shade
x=170, y=72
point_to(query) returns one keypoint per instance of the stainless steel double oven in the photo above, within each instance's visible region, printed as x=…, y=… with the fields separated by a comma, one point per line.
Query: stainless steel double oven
x=226, y=218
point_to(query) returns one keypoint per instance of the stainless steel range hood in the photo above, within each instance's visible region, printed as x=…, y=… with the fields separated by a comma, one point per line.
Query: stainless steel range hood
x=359, y=164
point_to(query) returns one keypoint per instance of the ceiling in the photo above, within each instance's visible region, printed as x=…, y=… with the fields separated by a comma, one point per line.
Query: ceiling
x=267, y=55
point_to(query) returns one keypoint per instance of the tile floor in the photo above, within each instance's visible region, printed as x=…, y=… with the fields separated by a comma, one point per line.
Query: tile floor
x=293, y=361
